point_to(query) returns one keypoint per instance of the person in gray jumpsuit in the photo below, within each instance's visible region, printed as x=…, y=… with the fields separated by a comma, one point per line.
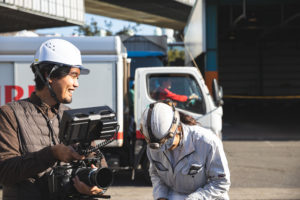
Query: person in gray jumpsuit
x=187, y=162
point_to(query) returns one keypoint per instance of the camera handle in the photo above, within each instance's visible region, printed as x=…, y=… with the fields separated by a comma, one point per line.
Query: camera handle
x=98, y=146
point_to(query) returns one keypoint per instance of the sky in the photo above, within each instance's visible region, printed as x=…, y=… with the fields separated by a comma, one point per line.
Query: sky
x=117, y=25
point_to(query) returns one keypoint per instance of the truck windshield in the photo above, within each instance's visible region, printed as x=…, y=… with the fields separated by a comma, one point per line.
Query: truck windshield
x=182, y=89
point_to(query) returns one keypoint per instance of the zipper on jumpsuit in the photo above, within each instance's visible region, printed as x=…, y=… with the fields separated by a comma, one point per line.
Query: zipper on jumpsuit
x=173, y=168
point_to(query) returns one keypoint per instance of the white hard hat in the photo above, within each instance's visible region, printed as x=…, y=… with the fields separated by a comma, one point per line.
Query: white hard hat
x=158, y=121
x=61, y=52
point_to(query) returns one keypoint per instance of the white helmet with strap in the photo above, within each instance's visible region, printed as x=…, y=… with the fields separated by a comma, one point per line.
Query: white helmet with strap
x=61, y=53
x=57, y=53
x=159, y=122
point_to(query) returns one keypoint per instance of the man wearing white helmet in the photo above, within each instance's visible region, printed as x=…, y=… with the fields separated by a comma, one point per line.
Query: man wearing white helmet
x=29, y=144
x=187, y=162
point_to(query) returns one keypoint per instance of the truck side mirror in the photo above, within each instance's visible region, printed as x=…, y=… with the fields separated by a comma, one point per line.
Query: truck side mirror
x=217, y=93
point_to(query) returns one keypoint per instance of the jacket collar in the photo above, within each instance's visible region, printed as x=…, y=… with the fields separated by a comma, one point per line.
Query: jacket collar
x=187, y=142
x=49, y=111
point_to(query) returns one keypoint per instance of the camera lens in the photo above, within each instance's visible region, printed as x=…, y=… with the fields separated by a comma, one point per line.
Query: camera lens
x=101, y=177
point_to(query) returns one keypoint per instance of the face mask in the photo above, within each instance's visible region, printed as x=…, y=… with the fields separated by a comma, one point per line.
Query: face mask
x=169, y=143
x=164, y=147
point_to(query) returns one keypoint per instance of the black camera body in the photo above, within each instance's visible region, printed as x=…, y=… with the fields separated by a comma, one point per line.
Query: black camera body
x=79, y=127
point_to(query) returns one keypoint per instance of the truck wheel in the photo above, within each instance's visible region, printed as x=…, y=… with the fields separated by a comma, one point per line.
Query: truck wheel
x=145, y=168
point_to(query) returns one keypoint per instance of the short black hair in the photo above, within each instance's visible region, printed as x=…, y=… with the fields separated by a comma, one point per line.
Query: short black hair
x=45, y=69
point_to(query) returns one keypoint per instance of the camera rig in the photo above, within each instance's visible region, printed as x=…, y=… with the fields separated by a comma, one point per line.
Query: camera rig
x=79, y=128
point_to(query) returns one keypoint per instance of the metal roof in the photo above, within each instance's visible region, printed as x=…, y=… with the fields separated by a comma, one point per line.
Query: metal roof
x=22, y=14
x=87, y=45
x=162, y=13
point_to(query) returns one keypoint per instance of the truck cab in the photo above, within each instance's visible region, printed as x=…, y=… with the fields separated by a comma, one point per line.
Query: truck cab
x=186, y=81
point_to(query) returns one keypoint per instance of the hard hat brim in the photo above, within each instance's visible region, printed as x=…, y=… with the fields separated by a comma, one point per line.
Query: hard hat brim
x=83, y=70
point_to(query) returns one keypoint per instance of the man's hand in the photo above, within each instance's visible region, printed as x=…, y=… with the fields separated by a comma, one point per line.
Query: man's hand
x=193, y=96
x=65, y=153
x=82, y=188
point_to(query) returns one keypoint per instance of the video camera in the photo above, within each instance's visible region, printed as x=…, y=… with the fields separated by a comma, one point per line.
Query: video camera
x=79, y=128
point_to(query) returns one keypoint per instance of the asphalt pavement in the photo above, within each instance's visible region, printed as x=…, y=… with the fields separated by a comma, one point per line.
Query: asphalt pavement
x=262, y=143
x=260, y=170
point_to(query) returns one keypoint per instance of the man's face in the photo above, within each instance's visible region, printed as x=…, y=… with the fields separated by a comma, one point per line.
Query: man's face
x=167, y=84
x=64, y=87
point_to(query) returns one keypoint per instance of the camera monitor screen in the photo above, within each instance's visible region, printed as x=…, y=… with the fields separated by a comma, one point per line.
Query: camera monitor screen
x=87, y=124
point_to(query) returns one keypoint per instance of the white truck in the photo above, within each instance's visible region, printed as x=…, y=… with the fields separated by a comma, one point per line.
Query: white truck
x=107, y=84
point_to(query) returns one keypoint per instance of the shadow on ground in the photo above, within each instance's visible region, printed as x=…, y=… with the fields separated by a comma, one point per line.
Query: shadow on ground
x=124, y=178
x=261, y=119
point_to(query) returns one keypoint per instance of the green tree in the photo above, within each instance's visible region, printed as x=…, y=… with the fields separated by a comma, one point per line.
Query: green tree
x=129, y=30
x=175, y=57
x=108, y=25
x=93, y=29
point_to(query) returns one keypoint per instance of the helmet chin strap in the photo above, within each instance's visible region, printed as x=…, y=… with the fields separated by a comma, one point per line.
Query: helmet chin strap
x=46, y=82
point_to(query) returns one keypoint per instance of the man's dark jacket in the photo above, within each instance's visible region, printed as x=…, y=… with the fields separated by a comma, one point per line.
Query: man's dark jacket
x=28, y=129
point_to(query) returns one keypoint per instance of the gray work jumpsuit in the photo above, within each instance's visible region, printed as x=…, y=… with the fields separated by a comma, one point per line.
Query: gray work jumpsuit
x=198, y=170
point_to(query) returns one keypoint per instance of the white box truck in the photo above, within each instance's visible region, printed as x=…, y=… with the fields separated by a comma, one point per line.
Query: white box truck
x=107, y=84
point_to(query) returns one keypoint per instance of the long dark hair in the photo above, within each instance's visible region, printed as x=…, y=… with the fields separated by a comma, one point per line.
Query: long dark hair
x=184, y=118
x=187, y=119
